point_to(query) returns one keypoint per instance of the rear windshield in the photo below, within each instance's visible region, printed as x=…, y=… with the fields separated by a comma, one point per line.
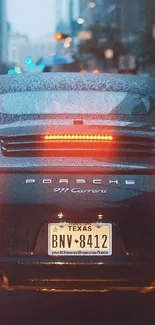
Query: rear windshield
x=74, y=102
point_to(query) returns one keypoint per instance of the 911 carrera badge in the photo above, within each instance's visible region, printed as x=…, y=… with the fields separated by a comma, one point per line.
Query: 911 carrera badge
x=79, y=190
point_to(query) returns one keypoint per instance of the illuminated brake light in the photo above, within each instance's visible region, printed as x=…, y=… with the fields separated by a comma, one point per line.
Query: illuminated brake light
x=83, y=71
x=96, y=71
x=83, y=137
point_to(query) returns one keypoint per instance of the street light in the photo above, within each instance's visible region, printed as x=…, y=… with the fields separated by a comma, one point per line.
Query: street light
x=92, y=5
x=80, y=21
x=17, y=70
x=67, y=45
x=68, y=39
x=109, y=53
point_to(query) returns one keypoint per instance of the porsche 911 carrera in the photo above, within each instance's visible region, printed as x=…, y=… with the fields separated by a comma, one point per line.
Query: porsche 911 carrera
x=77, y=182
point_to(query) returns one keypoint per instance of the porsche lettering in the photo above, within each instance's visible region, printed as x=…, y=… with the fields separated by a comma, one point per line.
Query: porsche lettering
x=95, y=181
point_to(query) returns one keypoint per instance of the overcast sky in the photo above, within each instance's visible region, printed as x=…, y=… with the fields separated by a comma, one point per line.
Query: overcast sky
x=34, y=17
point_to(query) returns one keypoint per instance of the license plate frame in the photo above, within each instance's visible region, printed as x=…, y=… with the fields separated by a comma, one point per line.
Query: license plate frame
x=98, y=229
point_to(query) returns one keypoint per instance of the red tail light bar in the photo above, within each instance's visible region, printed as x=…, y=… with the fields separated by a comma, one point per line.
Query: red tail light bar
x=79, y=137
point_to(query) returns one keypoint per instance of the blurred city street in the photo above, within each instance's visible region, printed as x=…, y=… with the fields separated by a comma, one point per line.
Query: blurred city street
x=99, y=36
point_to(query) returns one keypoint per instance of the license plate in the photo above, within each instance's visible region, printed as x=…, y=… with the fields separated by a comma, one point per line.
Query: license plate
x=79, y=239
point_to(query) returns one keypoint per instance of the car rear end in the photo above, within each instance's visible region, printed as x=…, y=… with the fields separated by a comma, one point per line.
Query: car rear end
x=77, y=204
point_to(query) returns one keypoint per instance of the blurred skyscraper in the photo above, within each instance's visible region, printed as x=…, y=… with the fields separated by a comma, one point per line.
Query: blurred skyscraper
x=20, y=47
x=129, y=15
x=3, y=31
x=58, y=11
x=100, y=12
x=82, y=5
x=132, y=18
x=61, y=26
x=73, y=13
x=88, y=13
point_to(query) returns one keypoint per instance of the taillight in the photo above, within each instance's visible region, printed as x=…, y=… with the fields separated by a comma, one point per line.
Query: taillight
x=79, y=137
x=83, y=71
x=96, y=71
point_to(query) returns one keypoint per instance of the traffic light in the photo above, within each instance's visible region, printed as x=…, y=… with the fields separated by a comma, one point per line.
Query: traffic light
x=58, y=36
x=61, y=37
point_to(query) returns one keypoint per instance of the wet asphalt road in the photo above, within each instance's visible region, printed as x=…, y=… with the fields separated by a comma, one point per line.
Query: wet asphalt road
x=55, y=308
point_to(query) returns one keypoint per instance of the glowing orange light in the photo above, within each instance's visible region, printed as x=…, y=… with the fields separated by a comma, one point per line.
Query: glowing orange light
x=58, y=36
x=96, y=71
x=83, y=70
x=83, y=137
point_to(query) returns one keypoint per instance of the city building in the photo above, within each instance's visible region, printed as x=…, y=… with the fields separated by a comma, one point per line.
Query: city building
x=110, y=12
x=42, y=48
x=128, y=15
x=20, y=47
x=8, y=31
x=3, y=31
x=73, y=14
x=100, y=12
x=132, y=18
x=58, y=11
x=62, y=27
x=88, y=12
x=82, y=5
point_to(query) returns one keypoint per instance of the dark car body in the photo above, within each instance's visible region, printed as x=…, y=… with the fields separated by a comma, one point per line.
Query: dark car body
x=107, y=177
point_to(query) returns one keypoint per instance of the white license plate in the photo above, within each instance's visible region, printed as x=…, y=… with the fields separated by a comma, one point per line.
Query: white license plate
x=79, y=239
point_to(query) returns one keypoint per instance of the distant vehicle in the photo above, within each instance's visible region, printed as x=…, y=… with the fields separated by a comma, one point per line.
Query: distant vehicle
x=77, y=182
x=47, y=69
x=90, y=71
x=66, y=67
x=55, y=60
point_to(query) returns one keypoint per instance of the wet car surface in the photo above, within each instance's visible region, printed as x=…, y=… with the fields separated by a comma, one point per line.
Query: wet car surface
x=77, y=183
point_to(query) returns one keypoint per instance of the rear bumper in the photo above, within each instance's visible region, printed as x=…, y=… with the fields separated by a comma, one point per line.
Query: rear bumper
x=40, y=274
